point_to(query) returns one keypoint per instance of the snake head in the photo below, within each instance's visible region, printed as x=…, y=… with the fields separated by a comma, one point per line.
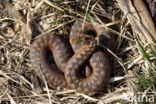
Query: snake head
x=84, y=33
x=82, y=40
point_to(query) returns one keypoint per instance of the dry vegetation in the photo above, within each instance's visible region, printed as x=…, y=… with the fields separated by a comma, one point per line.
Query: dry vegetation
x=133, y=68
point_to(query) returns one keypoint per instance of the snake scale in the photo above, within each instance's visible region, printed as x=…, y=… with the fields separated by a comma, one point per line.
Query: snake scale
x=79, y=64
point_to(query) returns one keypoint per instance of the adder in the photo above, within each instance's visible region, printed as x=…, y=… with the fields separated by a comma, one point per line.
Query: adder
x=80, y=64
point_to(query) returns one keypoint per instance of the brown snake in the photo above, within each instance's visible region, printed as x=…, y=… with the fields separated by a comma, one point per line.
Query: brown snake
x=79, y=65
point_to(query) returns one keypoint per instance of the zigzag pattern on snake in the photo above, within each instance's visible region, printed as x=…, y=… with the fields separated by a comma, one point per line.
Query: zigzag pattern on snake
x=78, y=65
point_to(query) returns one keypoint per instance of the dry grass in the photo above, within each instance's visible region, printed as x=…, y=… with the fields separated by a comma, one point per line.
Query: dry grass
x=133, y=67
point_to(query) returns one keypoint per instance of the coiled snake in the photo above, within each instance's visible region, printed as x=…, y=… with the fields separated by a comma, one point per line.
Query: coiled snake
x=79, y=65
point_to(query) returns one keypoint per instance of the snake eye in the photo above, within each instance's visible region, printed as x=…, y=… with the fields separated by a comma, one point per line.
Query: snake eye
x=87, y=38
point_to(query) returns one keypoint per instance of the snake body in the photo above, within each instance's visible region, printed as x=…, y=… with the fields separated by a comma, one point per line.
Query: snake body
x=78, y=65
x=53, y=73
